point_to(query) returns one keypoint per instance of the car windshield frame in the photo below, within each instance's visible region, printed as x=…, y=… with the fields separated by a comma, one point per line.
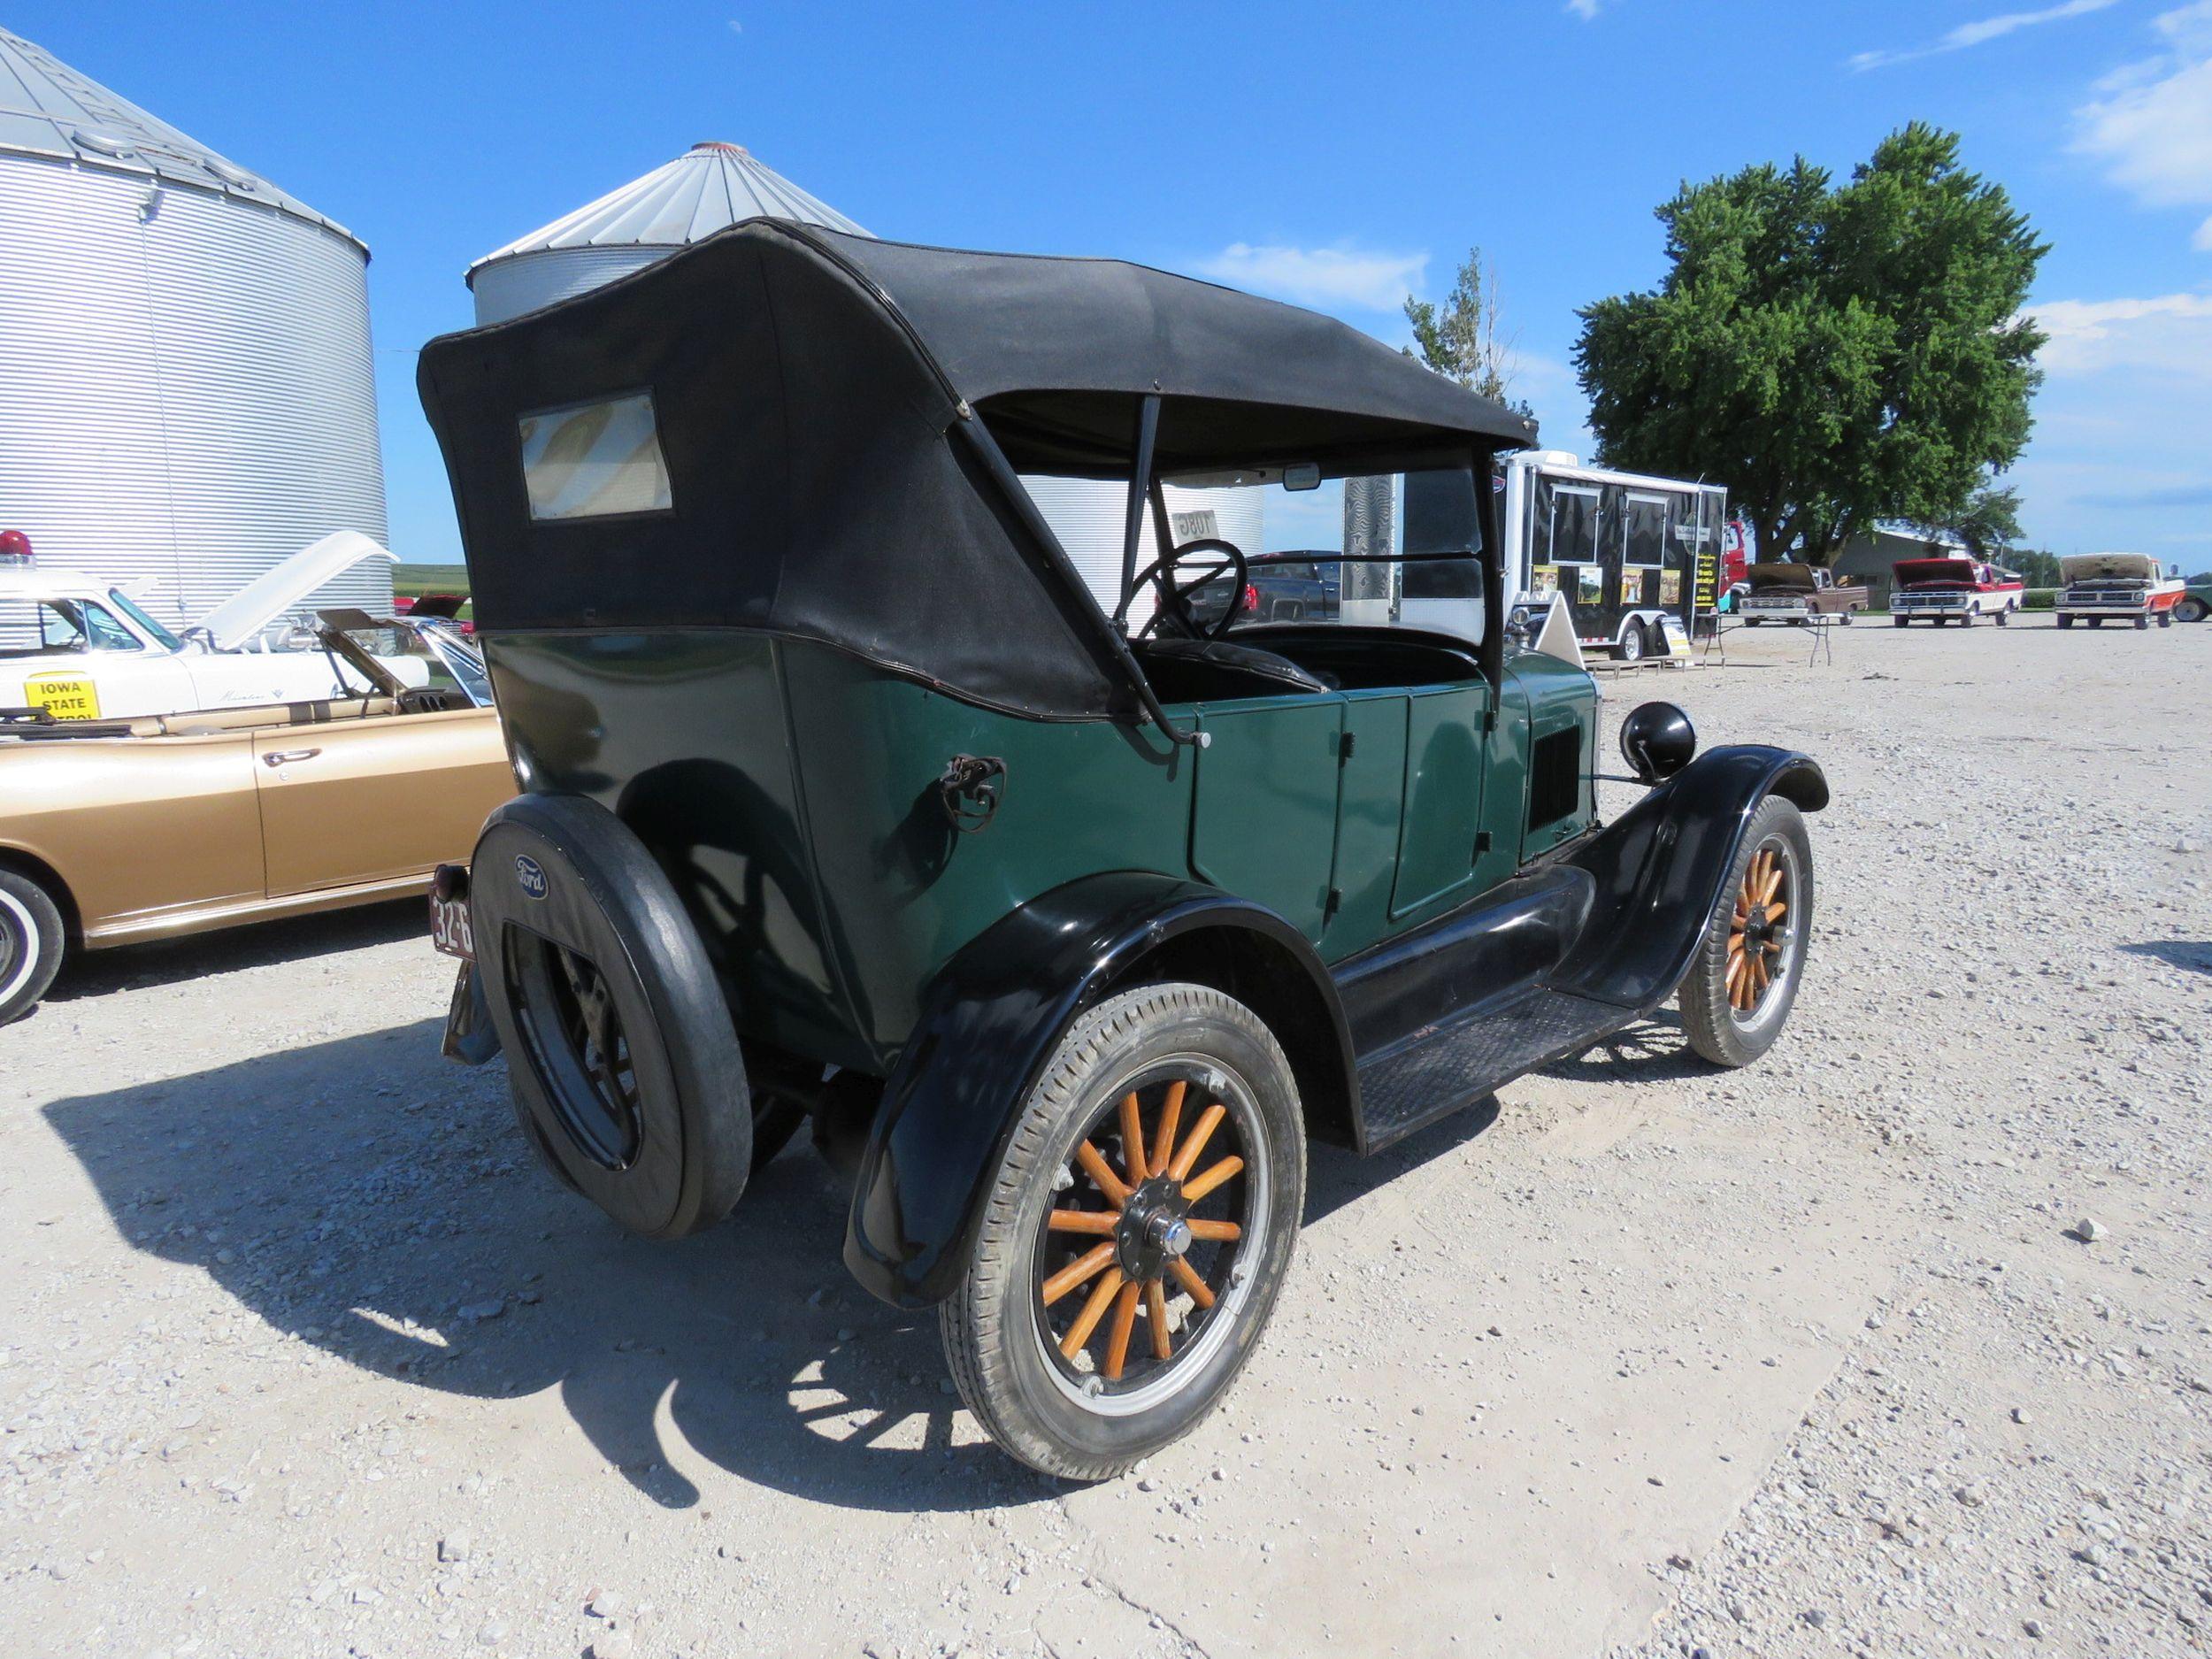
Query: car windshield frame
x=145, y=624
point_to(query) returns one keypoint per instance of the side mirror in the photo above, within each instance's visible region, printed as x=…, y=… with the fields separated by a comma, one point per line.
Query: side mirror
x=1657, y=741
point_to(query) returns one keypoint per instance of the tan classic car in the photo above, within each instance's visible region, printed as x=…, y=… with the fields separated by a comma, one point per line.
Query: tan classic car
x=113, y=831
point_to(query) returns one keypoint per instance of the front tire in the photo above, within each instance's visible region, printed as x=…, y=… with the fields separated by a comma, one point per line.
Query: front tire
x=31, y=941
x=2192, y=610
x=1738, y=991
x=2065, y=621
x=1630, y=649
x=1899, y=622
x=2165, y=618
x=1158, y=1168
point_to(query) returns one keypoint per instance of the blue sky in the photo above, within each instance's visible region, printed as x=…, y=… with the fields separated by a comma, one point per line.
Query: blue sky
x=1340, y=156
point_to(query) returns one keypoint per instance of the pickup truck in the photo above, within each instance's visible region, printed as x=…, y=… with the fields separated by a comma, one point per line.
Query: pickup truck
x=2133, y=588
x=1790, y=593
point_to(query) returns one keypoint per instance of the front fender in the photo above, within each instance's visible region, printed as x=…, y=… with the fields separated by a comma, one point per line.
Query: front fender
x=989, y=1023
x=1660, y=867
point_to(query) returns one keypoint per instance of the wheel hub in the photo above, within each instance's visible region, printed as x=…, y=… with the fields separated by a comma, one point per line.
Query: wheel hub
x=1155, y=1228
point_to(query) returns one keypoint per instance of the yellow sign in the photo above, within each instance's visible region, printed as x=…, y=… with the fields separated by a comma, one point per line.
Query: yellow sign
x=66, y=697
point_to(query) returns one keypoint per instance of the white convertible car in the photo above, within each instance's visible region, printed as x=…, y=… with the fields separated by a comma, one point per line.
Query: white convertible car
x=80, y=649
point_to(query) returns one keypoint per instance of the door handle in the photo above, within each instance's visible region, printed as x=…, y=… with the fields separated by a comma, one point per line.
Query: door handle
x=281, y=756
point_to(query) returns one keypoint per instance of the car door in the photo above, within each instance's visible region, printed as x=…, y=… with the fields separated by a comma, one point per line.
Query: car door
x=1263, y=817
x=1438, y=838
x=352, y=801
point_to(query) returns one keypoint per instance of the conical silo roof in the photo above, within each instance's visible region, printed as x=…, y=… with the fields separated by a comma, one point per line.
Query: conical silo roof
x=47, y=109
x=709, y=187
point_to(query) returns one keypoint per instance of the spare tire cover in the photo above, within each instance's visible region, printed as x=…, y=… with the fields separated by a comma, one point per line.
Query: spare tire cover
x=621, y=1054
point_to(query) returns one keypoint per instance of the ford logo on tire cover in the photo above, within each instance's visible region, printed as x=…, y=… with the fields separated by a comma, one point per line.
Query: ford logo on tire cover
x=531, y=874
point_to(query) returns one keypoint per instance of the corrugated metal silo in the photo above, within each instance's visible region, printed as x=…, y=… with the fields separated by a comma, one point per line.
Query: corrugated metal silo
x=709, y=186
x=186, y=389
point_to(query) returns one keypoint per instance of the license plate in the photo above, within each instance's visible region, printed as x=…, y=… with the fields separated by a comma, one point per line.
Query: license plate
x=449, y=928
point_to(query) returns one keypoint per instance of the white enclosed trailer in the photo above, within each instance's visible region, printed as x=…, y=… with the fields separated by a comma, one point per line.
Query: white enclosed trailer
x=1627, y=551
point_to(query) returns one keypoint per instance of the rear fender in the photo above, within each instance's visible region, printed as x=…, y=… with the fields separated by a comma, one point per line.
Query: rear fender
x=990, y=1022
x=1660, y=867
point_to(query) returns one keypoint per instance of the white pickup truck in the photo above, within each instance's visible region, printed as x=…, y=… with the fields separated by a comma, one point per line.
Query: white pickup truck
x=83, y=650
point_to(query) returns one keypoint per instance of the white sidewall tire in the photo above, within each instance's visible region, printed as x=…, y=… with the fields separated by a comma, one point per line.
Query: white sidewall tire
x=30, y=944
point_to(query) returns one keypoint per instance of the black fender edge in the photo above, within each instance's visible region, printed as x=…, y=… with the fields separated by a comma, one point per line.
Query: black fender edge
x=989, y=1024
x=1660, y=867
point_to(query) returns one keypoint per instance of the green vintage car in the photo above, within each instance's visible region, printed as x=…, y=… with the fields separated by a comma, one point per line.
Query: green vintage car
x=2196, y=602
x=1065, y=925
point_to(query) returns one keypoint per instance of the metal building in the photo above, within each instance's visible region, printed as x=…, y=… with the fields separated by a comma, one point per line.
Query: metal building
x=713, y=185
x=186, y=390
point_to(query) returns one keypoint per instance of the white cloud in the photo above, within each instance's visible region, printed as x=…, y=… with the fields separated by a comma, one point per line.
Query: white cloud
x=2171, y=333
x=1979, y=32
x=1320, y=276
x=1584, y=9
x=2151, y=123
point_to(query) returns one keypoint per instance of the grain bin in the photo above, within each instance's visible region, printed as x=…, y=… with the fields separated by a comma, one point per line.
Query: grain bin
x=710, y=186
x=186, y=391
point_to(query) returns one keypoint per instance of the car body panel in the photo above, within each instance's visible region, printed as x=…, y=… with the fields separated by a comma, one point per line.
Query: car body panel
x=180, y=826
x=1605, y=928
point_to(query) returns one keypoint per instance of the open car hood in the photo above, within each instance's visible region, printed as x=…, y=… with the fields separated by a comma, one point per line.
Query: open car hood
x=1763, y=577
x=2133, y=567
x=270, y=595
x=1921, y=573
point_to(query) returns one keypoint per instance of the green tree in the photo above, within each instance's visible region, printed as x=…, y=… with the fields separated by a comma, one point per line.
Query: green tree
x=1835, y=354
x=1988, y=521
x=1462, y=339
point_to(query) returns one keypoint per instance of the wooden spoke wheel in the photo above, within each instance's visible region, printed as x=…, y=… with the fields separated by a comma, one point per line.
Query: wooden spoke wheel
x=1759, y=930
x=1743, y=980
x=1142, y=1243
x=1135, y=1235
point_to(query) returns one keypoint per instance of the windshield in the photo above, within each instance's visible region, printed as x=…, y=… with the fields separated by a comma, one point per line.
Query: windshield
x=459, y=660
x=160, y=635
x=1393, y=548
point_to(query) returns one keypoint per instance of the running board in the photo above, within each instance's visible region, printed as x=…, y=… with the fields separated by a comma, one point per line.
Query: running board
x=1438, y=1070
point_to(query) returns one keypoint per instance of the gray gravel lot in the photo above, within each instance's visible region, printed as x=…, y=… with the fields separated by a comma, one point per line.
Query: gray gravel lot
x=301, y=1354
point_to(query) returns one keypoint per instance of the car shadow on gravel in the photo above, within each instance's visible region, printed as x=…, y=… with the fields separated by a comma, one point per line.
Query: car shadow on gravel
x=364, y=1197
x=2194, y=955
x=1654, y=1049
x=261, y=945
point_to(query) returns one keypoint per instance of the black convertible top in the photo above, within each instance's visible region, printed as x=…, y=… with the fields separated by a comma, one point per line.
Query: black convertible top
x=841, y=421
x=1026, y=337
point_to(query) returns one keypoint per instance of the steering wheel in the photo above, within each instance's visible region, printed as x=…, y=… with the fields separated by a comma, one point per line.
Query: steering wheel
x=1175, y=596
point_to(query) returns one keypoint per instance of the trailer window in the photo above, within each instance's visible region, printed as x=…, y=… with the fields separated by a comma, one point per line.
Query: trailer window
x=1572, y=521
x=1644, y=531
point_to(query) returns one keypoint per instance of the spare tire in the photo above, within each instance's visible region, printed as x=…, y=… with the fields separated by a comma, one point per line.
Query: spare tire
x=624, y=1063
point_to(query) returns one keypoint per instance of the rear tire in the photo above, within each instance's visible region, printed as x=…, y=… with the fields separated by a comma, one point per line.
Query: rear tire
x=1630, y=647
x=1047, y=1399
x=31, y=939
x=624, y=1066
x=2192, y=610
x=1729, y=1019
x=2003, y=616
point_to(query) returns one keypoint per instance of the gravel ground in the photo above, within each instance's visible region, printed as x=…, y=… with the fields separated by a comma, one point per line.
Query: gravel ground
x=300, y=1353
